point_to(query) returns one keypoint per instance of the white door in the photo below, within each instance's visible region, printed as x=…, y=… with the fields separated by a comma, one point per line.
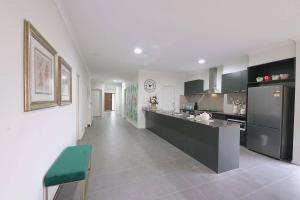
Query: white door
x=168, y=98
x=96, y=101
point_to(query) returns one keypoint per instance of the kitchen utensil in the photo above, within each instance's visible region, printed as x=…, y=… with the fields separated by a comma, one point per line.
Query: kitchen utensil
x=284, y=76
x=196, y=106
x=242, y=111
x=275, y=77
x=259, y=79
x=235, y=109
x=267, y=78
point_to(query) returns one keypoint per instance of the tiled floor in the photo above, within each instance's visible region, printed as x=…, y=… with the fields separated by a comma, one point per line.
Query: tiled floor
x=132, y=164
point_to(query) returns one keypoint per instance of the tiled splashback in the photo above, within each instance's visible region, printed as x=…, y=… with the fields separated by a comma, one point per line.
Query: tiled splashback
x=229, y=98
x=219, y=102
x=205, y=102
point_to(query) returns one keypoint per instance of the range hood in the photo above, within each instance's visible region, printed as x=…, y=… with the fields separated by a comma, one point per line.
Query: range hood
x=212, y=88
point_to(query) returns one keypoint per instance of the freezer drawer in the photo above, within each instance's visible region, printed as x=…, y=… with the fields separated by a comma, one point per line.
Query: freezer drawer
x=264, y=140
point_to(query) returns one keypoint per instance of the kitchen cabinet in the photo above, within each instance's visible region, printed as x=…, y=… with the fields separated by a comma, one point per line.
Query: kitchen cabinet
x=186, y=88
x=219, y=116
x=235, y=82
x=193, y=87
x=224, y=116
x=215, y=145
x=287, y=66
x=226, y=83
x=244, y=81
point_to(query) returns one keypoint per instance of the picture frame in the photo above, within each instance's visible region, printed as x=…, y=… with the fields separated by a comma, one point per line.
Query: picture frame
x=40, y=70
x=64, y=82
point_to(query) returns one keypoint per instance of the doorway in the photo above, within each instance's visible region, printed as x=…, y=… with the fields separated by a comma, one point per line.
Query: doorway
x=97, y=103
x=168, y=100
x=108, y=101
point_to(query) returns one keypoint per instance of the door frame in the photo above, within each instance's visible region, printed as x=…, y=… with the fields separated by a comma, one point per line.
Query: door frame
x=77, y=107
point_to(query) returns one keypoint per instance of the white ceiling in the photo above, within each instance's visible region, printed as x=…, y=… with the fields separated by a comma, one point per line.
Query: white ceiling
x=174, y=34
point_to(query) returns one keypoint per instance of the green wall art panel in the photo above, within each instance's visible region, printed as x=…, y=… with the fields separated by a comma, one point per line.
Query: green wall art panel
x=131, y=102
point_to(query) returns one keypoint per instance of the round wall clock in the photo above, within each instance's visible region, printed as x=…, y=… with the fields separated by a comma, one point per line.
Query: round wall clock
x=149, y=85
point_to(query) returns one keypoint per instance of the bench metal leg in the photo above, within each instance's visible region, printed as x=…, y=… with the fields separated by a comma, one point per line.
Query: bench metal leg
x=84, y=184
x=90, y=165
x=84, y=189
x=45, y=193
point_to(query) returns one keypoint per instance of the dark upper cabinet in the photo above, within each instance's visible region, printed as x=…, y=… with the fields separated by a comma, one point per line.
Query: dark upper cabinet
x=186, y=88
x=193, y=87
x=235, y=82
x=225, y=83
x=231, y=82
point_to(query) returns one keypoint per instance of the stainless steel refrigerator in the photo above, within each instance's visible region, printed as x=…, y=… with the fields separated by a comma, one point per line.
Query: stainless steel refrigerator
x=270, y=120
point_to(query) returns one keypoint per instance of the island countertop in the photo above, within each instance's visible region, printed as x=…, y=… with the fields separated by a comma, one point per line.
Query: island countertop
x=215, y=144
x=215, y=123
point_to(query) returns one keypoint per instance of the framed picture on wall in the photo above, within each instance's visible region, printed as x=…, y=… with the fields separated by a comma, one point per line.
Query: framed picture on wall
x=64, y=82
x=40, y=70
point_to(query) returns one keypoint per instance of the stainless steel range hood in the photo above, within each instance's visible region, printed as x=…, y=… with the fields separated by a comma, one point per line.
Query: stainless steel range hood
x=212, y=88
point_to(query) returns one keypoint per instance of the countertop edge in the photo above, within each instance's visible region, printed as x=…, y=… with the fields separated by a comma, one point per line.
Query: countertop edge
x=217, y=123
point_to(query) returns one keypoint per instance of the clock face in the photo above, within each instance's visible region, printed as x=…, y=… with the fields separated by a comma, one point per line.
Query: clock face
x=149, y=85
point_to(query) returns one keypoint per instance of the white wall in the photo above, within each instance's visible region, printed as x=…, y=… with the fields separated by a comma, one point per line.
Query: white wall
x=296, y=153
x=99, y=86
x=30, y=142
x=236, y=65
x=97, y=102
x=271, y=54
x=123, y=87
x=119, y=99
x=161, y=79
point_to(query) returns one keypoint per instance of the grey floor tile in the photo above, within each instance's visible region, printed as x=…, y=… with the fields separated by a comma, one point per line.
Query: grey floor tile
x=136, y=164
x=287, y=188
x=190, y=194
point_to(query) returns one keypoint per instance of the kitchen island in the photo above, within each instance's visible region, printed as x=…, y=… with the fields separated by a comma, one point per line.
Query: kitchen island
x=214, y=143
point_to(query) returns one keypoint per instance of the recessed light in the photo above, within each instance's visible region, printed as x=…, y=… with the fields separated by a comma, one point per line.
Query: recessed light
x=117, y=81
x=201, y=61
x=138, y=50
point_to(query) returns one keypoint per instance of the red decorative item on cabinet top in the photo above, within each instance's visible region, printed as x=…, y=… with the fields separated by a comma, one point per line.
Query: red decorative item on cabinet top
x=268, y=78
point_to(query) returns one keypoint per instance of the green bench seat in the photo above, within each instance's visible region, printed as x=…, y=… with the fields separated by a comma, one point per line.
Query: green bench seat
x=72, y=165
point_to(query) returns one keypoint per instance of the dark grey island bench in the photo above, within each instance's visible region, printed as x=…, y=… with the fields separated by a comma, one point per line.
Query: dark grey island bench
x=215, y=144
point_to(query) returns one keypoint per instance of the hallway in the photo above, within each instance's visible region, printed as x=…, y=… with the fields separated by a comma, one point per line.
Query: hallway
x=133, y=164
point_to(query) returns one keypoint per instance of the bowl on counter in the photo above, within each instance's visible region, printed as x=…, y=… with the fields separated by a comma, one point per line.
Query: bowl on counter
x=275, y=77
x=284, y=76
x=259, y=79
